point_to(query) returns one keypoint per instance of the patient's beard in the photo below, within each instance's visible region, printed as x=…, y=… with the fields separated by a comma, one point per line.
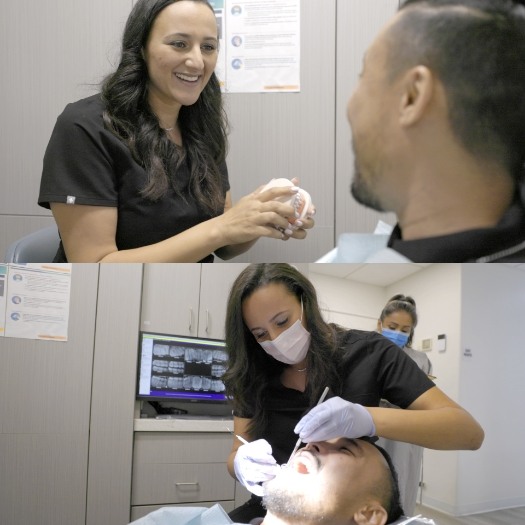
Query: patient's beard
x=288, y=504
x=361, y=187
x=363, y=195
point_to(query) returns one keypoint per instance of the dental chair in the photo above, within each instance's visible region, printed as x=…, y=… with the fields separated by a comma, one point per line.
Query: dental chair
x=37, y=247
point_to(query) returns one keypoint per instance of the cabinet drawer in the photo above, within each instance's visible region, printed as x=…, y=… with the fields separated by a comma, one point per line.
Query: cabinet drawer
x=181, y=447
x=161, y=484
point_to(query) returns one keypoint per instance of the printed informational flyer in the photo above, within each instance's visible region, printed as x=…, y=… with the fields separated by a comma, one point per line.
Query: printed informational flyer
x=259, y=45
x=37, y=299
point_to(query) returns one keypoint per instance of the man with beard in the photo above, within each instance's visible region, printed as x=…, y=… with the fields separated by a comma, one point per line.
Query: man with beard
x=340, y=481
x=438, y=127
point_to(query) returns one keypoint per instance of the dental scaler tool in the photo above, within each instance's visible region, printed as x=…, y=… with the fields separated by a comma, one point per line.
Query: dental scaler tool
x=301, y=201
x=298, y=444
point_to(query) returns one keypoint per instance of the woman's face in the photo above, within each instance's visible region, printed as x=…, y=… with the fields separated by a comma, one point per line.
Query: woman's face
x=400, y=321
x=270, y=310
x=181, y=54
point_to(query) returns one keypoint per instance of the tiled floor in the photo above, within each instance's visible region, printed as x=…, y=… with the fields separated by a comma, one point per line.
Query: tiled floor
x=500, y=517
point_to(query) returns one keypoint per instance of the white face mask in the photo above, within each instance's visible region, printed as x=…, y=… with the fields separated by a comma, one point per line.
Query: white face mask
x=291, y=346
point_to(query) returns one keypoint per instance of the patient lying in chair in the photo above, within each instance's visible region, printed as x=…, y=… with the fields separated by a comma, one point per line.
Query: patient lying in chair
x=350, y=481
x=337, y=482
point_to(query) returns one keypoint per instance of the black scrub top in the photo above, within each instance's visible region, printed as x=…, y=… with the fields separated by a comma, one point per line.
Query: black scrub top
x=86, y=164
x=372, y=368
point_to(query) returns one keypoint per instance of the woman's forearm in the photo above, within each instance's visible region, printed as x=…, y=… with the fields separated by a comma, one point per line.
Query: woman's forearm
x=233, y=250
x=432, y=421
x=190, y=245
x=443, y=428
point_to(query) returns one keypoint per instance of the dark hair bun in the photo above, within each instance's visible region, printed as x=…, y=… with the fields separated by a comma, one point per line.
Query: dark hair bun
x=402, y=298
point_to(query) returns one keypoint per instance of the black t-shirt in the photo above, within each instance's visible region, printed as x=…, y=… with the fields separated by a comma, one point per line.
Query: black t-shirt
x=86, y=164
x=505, y=242
x=372, y=368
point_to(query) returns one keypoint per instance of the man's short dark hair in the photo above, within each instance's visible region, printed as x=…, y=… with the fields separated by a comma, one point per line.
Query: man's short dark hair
x=477, y=50
x=388, y=493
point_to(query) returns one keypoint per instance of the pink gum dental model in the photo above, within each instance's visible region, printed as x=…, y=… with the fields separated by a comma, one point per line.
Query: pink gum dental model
x=301, y=201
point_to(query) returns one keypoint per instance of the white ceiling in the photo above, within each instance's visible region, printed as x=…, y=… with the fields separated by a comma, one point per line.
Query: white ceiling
x=377, y=274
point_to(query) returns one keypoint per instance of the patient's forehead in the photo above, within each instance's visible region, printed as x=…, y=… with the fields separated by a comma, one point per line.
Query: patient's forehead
x=372, y=450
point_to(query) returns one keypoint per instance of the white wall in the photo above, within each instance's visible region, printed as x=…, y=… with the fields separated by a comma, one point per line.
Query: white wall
x=348, y=303
x=479, y=307
x=492, y=385
x=437, y=291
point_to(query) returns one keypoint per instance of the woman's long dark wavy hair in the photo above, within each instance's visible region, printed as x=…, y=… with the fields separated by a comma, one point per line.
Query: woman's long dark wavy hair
x=250, y=368
x=128, y=115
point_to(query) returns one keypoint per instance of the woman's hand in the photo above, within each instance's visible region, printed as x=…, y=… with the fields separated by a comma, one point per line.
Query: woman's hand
x=255, y=464
x=335, y=418
x=259, y=214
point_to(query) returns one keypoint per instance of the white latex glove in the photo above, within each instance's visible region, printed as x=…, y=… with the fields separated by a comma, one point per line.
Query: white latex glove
x=335, y=418
x=254, y=464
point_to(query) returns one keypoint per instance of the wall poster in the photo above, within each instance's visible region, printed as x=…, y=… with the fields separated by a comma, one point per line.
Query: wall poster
x=34, y=300
x=259, y=45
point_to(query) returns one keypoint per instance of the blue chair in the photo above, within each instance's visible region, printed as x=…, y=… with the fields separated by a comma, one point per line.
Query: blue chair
x=37, y=247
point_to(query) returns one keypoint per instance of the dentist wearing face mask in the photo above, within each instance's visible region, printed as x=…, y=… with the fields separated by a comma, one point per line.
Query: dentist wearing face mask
x=397, y=323
x=282, y=356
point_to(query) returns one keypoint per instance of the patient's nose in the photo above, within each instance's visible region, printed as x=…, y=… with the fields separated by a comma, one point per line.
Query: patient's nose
x=320, y=446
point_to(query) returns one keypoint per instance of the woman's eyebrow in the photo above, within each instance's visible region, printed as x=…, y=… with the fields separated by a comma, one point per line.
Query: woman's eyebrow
x=271, y=320
x=188, y=36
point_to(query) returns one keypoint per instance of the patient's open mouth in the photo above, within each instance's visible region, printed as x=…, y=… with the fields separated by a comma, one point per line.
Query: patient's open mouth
x=305, y=463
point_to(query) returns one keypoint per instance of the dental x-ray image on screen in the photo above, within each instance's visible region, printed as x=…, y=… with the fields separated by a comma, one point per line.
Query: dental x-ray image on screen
x=184, y=368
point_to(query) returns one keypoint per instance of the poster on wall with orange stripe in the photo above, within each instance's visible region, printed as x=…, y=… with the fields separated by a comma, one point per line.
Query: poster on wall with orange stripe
x=259, y=45
x=35, y=301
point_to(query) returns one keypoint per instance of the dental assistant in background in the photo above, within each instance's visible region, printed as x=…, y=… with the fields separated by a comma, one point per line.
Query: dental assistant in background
x=397, y=323
x=137, y=173
x=282, y=355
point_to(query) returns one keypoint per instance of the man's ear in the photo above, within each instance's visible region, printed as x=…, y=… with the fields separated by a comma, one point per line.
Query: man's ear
x=417, y=92
x=371, y=514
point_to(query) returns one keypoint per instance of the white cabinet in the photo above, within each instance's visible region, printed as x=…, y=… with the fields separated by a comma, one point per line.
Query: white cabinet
x=174, y=468
x=170, y=298
x=187, y=299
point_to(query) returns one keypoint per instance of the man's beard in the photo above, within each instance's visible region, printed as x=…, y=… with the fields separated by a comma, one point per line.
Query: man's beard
x=283, y=501
x=362, y=192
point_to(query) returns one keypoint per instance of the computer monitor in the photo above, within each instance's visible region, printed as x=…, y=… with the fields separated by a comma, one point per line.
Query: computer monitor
x=181, y=368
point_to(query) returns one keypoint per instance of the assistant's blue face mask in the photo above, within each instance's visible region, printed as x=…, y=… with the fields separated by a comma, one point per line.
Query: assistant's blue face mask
x=398, y=338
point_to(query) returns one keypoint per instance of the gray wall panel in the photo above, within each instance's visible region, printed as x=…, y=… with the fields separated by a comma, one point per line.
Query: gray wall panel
x=51, y=53
x=45, y=393
x=113, y=398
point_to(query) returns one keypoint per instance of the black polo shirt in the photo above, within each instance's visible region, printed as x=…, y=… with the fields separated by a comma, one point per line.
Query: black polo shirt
x=505, y=242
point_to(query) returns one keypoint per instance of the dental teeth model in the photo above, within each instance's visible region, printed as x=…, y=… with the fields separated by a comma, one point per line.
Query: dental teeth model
x=301, y=201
